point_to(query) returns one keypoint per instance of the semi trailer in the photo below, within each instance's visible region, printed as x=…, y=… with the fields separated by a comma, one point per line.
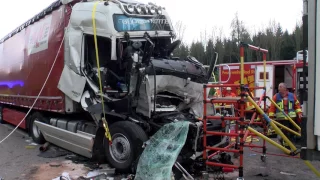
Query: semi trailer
x=81, y=70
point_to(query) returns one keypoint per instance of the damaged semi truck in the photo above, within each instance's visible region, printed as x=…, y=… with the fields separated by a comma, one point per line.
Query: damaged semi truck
x=77, y=62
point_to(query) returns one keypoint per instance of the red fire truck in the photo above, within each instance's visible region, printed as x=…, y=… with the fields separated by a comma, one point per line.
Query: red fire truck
x=288, y=71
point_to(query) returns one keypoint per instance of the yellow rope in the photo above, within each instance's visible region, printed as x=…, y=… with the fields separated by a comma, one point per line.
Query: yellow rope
x=105, y=123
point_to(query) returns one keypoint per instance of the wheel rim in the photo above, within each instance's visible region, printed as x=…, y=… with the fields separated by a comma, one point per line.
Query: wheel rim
x=35, y=129
x=120, y=148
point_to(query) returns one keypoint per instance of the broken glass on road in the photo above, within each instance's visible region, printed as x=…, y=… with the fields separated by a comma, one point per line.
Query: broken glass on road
x=161, y=152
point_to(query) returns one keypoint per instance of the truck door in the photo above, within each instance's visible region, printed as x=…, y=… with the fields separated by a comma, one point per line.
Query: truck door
x=259, y=81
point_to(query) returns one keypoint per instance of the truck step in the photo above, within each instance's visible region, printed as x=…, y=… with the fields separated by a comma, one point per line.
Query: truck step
x=79, y=142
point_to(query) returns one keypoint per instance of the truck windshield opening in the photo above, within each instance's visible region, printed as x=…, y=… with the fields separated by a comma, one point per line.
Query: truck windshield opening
x=125, y=23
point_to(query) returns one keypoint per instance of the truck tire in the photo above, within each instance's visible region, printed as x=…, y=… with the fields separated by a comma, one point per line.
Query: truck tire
x=35, y=133
x=1, y=115
x=126, y=148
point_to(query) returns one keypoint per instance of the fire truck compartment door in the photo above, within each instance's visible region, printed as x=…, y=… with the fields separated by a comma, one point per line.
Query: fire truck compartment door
x=259, y=80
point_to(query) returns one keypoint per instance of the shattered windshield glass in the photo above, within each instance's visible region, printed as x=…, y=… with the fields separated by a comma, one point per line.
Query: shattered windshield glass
x=162, y=151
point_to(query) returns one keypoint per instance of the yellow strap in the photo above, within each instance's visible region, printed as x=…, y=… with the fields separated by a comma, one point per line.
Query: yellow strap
x=105, y=123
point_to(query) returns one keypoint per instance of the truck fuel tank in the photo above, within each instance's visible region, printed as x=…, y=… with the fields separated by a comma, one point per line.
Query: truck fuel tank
x=74, y=125
x=78, y=142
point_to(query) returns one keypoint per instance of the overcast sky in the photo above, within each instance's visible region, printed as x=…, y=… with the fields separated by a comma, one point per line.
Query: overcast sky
x=196, y=15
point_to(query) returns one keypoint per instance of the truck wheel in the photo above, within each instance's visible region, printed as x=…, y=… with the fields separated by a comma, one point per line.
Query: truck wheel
x=1, y=115
x=126, y=148
x=35, y=133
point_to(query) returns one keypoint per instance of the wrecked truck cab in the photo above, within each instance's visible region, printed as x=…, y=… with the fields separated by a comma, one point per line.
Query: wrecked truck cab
x=117, y=50
x=142, y=83
x=143, y=86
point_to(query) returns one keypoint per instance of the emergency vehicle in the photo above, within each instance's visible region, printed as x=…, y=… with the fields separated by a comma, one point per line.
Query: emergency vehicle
x=288, y=71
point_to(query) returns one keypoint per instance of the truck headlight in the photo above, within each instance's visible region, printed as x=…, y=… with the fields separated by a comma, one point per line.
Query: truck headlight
x=130, y=8
x=159, y=10
x=152, y=9
x=138, y=9
x=144, y=9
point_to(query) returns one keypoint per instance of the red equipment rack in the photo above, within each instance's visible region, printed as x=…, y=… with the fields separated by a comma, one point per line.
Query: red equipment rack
x=240, y=132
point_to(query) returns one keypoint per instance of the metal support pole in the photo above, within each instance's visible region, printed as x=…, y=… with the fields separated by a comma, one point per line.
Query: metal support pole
x=287, y=151
x=242, y=113
x=294, y=78
x=204, y=123
x=264, y=52
x=264, y=70
x=286, y=128
x=275, y=127
x=242, y=140
x=304, y=93
x=265, y=129
x=242, y=64
x=255, y=114
x=287, y=116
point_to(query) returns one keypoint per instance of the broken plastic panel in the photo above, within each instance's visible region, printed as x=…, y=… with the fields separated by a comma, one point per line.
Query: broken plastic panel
x=161, y=152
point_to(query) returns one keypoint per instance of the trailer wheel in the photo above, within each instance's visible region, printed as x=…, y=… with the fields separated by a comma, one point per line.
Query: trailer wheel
x=126, y=148
x=1, y=115
x=34, y=131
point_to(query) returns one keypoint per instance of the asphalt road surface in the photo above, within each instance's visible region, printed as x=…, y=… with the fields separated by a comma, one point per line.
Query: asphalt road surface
x=19, y=160
x=18, y=156
x=275, y=168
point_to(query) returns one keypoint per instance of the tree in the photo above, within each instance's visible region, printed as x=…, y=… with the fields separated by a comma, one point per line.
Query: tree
x=209, y=54
x=180, y=29
x=297, y=36
x=219, y=48
x=197, y=51
x=239, y=32
x=281, y=45
x=182, y=51
x=274, y=39
x=288, y=47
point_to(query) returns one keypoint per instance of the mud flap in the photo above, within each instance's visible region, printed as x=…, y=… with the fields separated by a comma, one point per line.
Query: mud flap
x=80, y=142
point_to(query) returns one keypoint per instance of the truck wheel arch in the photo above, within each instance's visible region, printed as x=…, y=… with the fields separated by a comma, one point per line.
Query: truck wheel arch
x=135, y=136
x=38, y=138
x=113, y=119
